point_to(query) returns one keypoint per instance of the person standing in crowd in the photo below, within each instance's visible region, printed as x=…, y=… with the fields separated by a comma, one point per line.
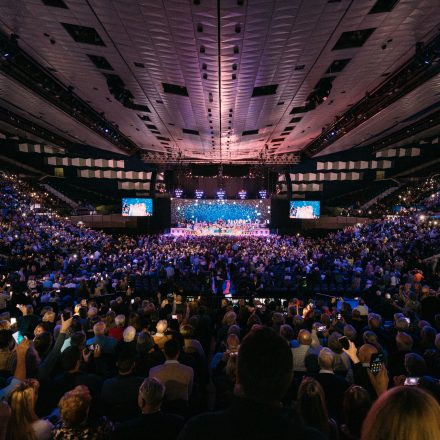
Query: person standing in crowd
x=159, y=425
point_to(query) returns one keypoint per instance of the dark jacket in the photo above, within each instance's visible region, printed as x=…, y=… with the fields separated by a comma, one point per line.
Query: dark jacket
x=119, y=396
x=247, y=419
x=157, y=426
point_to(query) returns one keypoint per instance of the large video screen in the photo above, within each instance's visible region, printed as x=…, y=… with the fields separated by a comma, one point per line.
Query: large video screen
x=304, y=209
x=211, y=211
x=137, y=207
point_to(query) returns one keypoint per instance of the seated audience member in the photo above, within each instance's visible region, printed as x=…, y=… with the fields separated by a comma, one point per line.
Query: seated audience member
x=264, y=373
x=415, y=365
x=375, y=325
x=432, y=358
x=302, y=351
x=153, y=422
x=127, y=346
x=361, y=362
x=28, y=321
x=403, y=413
x=350, y=332
x=148, y=354
x=404, y=345
x=160, y=337
x=334, y=386
x=355, y=407
x=286, y=331
x=232, y=345
x=224, y=378
x=362, y=308
x=427, y=338
x=191, y=345
x=229, y=319
x=75, y=422
x=341, y=360
x=24, y=423
x=117, y=331
x=106, y=343
x=177, y=378
x=313, y=408
x=119, y=394
x=43, y=344
x=73, y=374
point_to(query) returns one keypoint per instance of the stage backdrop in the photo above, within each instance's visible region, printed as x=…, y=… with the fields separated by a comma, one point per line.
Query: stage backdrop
x=187, y=210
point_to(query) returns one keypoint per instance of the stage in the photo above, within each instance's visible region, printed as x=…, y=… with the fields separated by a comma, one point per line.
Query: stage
x=216, y=230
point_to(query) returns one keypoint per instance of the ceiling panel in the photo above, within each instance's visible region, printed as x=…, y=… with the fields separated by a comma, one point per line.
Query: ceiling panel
x=219, y=54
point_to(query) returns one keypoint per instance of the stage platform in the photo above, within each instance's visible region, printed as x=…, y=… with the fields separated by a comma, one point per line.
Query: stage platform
x=233, y=231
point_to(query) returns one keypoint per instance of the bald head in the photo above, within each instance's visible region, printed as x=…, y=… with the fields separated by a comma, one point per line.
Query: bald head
x=404, y=341
x=304, y=337
x=162, y=326
x=365, y=352
x=129, y=334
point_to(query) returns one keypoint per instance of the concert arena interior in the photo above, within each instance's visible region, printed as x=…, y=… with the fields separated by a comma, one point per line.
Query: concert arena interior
x=220, y=219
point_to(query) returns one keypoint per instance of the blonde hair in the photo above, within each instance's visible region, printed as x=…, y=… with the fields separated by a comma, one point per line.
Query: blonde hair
x=162, y=326
x=49, y=316
x=74, y=406
x=403, y=413
x=230, y=318
x=22, y=402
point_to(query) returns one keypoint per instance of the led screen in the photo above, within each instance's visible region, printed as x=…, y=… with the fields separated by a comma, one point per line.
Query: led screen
x=189, y=210
x=137, y=207
x=304, y=209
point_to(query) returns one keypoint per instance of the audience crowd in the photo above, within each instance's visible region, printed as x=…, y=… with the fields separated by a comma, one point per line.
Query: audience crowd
x=416, y=195
x=212, y=337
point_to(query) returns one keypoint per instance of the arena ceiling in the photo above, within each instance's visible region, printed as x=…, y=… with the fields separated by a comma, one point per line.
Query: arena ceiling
x=218, y=80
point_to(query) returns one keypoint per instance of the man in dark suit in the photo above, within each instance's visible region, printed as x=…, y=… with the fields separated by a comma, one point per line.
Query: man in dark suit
x=264, y=372
x=334, y=386
x=119, y=394
x=153, y=423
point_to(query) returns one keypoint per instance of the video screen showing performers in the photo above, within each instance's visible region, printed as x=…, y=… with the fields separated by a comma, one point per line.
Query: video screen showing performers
x=137, y=207
x=304, y=209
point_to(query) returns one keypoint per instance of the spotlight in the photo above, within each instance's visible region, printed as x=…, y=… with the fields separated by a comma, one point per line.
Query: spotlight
x=221, y=194
x=263, y=194
x=178, y=193
x=199, y=193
